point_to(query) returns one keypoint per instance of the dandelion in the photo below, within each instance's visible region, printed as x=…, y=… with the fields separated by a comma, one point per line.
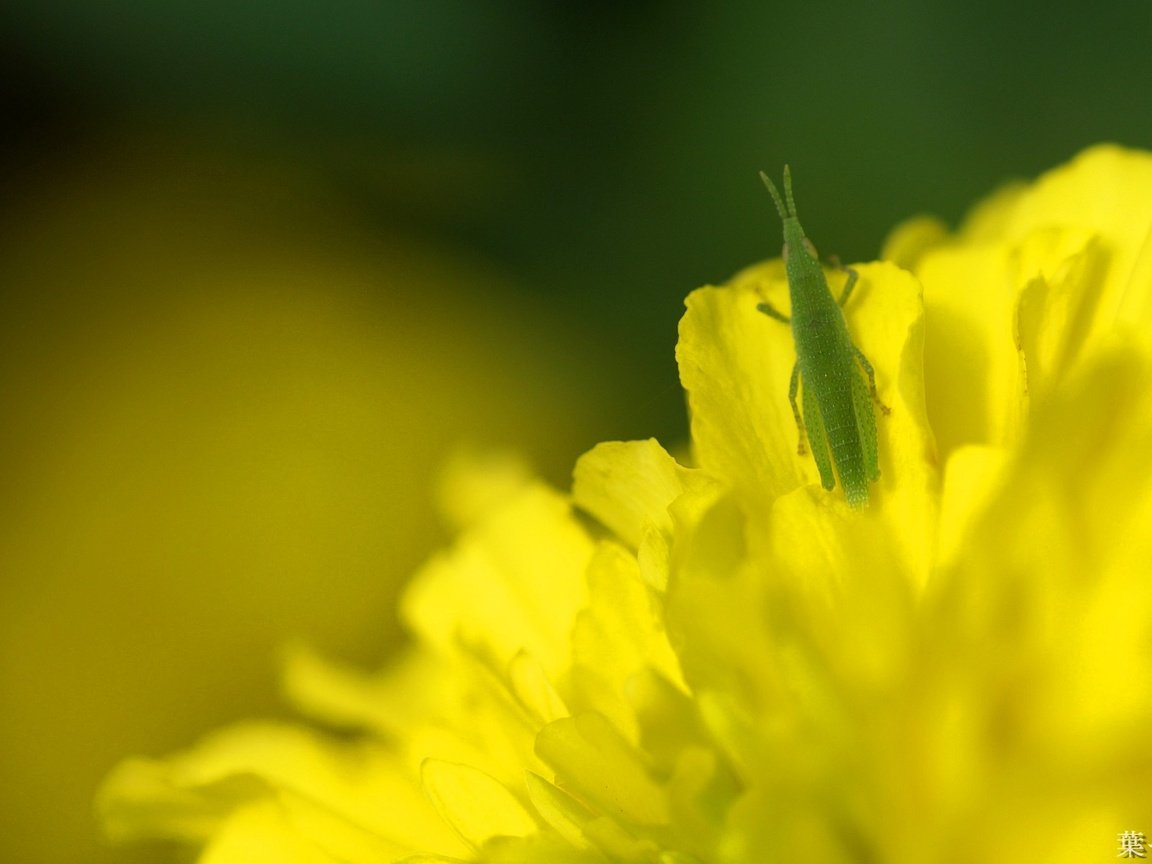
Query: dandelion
x=724, y=662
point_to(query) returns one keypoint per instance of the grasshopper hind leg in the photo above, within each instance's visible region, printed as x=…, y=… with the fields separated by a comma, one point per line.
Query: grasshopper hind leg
x=793, y=390
x=814, y=423
x=870, y=372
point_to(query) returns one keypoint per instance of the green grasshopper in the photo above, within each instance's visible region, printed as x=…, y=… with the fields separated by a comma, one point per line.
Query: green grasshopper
x=837, y=398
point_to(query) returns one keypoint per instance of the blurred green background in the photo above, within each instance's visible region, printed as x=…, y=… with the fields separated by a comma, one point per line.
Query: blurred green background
x=262, y=265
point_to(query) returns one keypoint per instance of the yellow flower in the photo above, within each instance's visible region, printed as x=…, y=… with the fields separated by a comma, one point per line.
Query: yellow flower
x=726, y=663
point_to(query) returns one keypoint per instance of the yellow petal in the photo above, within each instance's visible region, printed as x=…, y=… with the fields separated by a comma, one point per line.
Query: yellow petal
x=619, y=636
x=487, y=590
x=906, y=244
x=1106, y=188
x=1037, y=278
x=561, y=811
x=628, y=485
x=189, y=794
x=534, y=691
x=260, y=834
x=971, y=478
x=475, y=804
x=735, y=365
x=593, y=759
x=474, y=483
x=1038, y=630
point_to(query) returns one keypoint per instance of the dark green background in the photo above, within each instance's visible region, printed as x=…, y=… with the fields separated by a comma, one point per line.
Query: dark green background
x=603, y=154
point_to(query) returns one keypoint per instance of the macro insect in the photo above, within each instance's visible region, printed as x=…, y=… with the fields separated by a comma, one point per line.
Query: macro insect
x=832, y=379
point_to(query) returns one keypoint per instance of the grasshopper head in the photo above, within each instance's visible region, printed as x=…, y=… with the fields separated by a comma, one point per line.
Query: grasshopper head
x=788, y=212
x=794, y=237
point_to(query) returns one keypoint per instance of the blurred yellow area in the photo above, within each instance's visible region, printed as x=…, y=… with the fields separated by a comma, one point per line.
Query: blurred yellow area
x=223, y=403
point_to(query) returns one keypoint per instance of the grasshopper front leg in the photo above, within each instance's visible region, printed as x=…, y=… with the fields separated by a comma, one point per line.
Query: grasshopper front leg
x=772, y=312
x=853, y=276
